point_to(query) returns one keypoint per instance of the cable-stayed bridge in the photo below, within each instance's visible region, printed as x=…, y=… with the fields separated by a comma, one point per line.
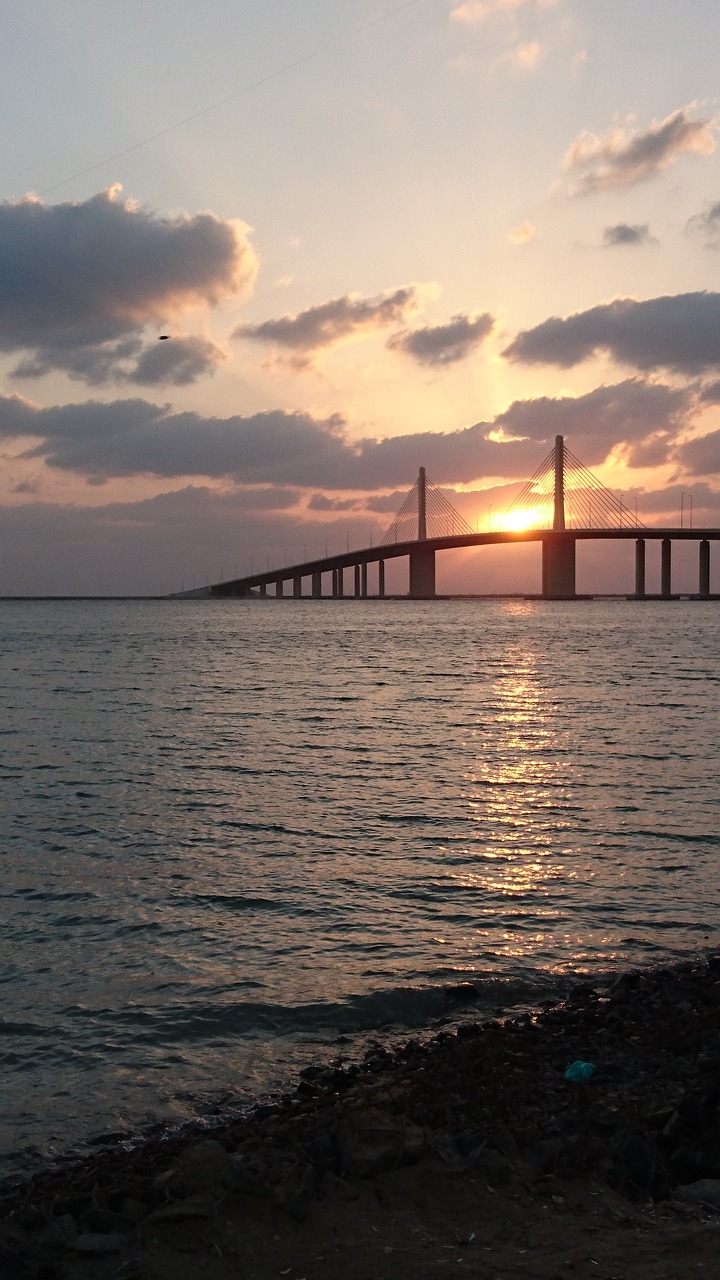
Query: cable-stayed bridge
x=560, y=505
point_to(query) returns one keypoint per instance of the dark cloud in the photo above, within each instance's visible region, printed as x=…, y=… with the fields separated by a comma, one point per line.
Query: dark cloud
x=442, y=344
x=629, y=413
x=710, y=393
x=81, y=280
x=679, y=332
x=179, y=362
x=327, y=323
x=621, y=159
x=625, y=234
x=663, y=505
x=701, y=456
x=321, y=502
x=136, y=437
x=706, y=225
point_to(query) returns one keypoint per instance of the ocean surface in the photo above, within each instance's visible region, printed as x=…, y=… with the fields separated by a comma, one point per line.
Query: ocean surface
x=240, y=836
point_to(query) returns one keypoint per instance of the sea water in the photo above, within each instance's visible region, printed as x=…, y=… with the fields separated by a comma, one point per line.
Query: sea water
x=237, y=836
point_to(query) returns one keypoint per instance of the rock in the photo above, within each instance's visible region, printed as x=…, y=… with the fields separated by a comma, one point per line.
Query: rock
x=321, y=1150
x=296, y=1191
x=181, y=1211
x=694, y=1161
x=492, y=1165
x=706, y=1191
x=110, y=1138
x=582, y=993
x=642, y=1170
x=207, y=1164
x=65, y=1226
x=93, y=1244
x=370, y=1140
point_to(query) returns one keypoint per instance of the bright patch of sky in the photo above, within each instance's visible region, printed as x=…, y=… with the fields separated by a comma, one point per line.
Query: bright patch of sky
x=366, y=228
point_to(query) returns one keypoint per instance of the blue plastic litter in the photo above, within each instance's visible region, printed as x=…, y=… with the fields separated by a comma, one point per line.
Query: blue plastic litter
x=580, y=1070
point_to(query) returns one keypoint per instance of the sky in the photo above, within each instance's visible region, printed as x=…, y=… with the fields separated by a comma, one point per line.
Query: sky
x=378, y=236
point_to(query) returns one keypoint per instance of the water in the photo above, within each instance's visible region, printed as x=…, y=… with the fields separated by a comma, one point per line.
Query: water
x=237, y=836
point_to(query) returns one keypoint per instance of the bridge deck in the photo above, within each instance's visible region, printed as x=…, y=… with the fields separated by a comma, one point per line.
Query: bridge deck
x=391, y=551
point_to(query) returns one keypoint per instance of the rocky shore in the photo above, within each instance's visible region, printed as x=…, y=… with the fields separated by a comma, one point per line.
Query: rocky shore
x=470, y=1152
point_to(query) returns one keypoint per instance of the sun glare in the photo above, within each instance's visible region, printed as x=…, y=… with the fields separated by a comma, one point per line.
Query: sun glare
x=524, y=518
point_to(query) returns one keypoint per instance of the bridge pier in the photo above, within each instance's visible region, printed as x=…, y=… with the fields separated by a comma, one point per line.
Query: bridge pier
x=422, y=574
x=316, y=585
x=665, y=568
x=263, y=588
x=297, y=586
x=363, y=580
x=381, y=579
x=279, y=587
x=356, y=581
x=640, y=569
x=704, y=569
x=558, y=566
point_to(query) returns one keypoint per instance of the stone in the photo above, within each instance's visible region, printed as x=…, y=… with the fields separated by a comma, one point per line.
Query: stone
x=181, y=1211
x=706, y=1191
x=207, y=1162
x=295, y=1192
x=94, y=1244
x=370, y=1140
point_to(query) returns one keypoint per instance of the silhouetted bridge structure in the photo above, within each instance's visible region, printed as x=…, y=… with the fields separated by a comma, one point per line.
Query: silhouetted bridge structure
x=581, y=511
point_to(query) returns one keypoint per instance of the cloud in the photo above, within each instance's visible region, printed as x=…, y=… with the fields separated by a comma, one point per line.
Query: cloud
x=706, y=225
x=444, y=344
x=710, y=393
x=679, y=332
x=178, y=362
x=473, y=12
x=625, y=234
x=324, y=325
x=629, y=413
x=321, y=502
x=701, y=456
x=135, y=437
x=522, y=234
x=83, y=279
x=622, y=159
x=526, y=56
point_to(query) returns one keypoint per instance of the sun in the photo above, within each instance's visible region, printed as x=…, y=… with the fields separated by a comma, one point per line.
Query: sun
x=523, y=518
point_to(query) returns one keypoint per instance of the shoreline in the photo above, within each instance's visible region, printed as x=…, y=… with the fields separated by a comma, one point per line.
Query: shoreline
x=477, y=1124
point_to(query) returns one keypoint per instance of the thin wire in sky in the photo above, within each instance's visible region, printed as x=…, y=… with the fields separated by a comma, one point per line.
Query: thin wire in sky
x=248, y=88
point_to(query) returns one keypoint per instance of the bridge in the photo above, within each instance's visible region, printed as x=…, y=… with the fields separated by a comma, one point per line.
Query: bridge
x=578, y=509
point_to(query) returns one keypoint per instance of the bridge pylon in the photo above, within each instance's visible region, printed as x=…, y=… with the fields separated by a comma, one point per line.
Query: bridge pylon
x=425, y=514
x=558, y=549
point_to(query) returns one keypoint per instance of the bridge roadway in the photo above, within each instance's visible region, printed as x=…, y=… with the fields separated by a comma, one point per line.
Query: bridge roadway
x=558, y=563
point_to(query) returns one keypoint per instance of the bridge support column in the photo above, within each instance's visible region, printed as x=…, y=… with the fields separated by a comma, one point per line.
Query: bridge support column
x=422, y=575
x=297, y=586
x=334, y=584
x=363, y=581
x=558, y=567
x=640, y=569
x=340, y=583
x=665, y=568
x=263, y=588
x=381, y=579
x=317, y=585
x=704, y=569
x=279, y=587
x=357, y=581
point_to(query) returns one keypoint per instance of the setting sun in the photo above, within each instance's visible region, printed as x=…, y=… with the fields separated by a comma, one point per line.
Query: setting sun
x=524, y=518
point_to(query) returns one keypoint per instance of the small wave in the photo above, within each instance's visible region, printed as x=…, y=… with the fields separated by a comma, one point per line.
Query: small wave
x=402, y=1008
x=237, y=902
